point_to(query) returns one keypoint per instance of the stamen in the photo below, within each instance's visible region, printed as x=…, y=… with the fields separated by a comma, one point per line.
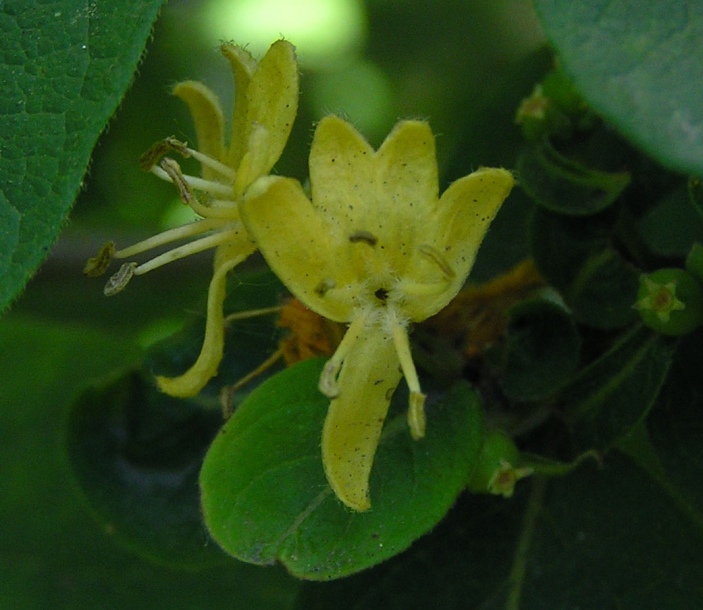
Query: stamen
x=416, y=406
x=166, y=237
x=328, y=379
x=118, y=281
x=152, y=156
x=227, y=393
x=98, y=265
x=217, y=189
x=252, y=313
x=173, y=171
x=199, y=245
x=220, y=168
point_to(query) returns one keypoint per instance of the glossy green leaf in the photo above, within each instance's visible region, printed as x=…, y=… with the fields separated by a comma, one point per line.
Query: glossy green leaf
x=541, y=351
x=265, y=497
x=563, y=186
x=616, y=391
x=64, y=67
x=639, y=64
x=136, y=454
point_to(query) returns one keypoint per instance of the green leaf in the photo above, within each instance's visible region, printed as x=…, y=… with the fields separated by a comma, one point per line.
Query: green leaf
x=604, y=290
x=561, y=245
x=541, y=351
x=561, y=185
x=600, y=538
x=616, y=391
x=265, y=497
x=53, y=554
x=575, y=256
x=639, y=64
x=64, y=68
x=136, y=454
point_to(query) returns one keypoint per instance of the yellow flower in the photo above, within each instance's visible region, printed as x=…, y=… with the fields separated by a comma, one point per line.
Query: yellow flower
x=265, y=105
x=376, y=248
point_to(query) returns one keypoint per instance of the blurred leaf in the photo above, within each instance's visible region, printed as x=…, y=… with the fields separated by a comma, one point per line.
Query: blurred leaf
x=575, y=256
x=53, y=554
x=604, y=290
x=672, y=225
x=64, y=68
x=560, y=245
x=265, y=497
x=600, y=538
x=616, y=391
x=541, y=351
x=136, y=454
x=639, y=65
x=561, y=185
x=695, y=194
x=675, y=428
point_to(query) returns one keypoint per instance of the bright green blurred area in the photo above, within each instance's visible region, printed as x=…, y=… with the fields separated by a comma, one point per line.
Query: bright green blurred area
x=462, y=65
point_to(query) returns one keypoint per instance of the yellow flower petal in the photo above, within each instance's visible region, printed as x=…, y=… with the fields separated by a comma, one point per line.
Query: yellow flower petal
x=453, y=237
x=408, y=187
x=243, y=67
x=355, y=418
x=271, y=106
x=190, y=383
x=208, y=120
x=341, y=171
x=298, y=247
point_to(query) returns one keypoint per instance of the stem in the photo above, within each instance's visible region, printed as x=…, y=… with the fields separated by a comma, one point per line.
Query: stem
x=529, y=525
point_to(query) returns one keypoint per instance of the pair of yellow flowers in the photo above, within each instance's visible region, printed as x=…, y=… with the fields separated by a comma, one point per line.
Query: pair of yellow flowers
x=375, y=247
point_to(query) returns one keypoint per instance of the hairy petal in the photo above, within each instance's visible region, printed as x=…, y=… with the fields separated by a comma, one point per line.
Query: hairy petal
x=207, y=117
x=354, y=422
x=298, y=246
x=407, y=188
x=342, y=175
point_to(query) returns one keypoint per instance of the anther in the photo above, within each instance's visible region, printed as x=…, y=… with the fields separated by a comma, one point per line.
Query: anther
x=98, y=265
x=118, y=281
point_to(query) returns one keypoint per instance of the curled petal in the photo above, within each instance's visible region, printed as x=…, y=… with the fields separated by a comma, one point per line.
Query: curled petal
x=370, y=373
x=298, y=246
x=208, y=120
x=446, y=253
x=243, y=66
x=272, y=103
x=205, y=368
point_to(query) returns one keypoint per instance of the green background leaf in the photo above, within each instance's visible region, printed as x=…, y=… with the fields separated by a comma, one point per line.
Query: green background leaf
x=64, y=68
x=265, y=497
x=136, y=454
x=639, y=63
x=601, y=538
x=616, y=391
x=53, y=554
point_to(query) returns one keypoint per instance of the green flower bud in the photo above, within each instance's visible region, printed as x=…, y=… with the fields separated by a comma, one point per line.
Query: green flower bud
x=497, y=469
x=670, y=301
